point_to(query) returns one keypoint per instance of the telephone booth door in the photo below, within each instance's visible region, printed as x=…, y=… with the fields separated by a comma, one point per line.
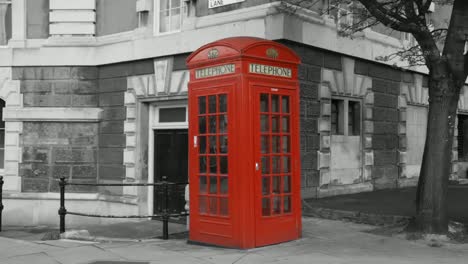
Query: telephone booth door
x=211, y=210
x=275, y=136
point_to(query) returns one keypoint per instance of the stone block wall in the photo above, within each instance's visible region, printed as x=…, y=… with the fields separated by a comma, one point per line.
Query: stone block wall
x=54, y=149
x=387, y=130
x=310, y=77
x=112, y=137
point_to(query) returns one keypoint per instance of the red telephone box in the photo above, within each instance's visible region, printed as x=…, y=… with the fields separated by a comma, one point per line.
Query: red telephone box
x=244, y=143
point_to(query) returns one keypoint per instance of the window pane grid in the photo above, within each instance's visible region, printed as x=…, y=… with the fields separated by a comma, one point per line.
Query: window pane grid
x=275, y=149
x=213, y=153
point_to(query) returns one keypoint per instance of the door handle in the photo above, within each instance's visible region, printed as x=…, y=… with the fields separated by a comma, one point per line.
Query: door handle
x=256, y=166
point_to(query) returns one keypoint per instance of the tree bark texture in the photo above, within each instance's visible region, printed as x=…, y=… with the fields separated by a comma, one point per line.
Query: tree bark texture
x=431, y=200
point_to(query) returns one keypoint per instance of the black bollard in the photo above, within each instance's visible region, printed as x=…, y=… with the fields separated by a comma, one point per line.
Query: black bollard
x=62, y=211
x=165, y=214
x=1, y=201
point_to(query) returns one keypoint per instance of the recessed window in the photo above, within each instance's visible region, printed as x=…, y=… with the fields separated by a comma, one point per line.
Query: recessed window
x=345, y=117
x=5, y=22
x=168, y=115
x=169, y=15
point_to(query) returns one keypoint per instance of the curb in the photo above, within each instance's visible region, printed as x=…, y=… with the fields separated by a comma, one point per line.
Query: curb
x=354, y=216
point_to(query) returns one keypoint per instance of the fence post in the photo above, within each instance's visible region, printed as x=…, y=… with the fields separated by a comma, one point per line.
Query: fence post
x=1, y=201
x=62, y=211
x=165, y=214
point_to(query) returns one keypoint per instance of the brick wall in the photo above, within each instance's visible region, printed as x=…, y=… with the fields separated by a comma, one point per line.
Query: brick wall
x=54, y=149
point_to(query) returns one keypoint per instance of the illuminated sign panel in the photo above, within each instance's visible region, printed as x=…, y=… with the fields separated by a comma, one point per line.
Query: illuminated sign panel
x=270, y=70
x=215, y=71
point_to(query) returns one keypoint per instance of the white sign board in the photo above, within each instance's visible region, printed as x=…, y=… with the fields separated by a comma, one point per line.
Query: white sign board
x=218, y=3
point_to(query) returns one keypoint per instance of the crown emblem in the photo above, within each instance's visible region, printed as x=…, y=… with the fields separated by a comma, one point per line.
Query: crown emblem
x=272, y=53
x=213, y=53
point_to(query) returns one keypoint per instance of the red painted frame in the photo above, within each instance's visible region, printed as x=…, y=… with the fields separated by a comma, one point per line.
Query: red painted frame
x=244, y=227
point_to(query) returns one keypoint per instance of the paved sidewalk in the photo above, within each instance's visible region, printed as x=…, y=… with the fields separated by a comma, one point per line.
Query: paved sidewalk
x=324, y=241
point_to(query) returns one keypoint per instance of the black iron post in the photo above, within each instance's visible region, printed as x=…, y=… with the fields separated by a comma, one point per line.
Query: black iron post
x=165, y=214
x=1, y=201
x=62, y=211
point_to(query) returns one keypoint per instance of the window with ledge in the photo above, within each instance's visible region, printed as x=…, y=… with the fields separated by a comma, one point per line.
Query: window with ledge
x=168, y=15
x=345, y=117
x=5, y=22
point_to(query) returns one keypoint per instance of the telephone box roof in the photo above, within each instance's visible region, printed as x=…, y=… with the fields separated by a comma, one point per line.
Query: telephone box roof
x=234, y=47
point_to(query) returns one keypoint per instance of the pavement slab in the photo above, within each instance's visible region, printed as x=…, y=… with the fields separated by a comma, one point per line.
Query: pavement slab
x=323, y=241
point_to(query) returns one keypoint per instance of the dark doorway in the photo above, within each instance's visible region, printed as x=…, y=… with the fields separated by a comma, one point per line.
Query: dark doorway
x=171, y=160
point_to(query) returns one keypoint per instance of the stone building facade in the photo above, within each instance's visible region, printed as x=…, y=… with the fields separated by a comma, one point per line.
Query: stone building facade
x=96, y=91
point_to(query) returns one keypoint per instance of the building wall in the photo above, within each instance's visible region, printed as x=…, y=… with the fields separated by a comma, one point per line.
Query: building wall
x=37, y=19
x=114, y=16
x=416, y=135
x=112, y=138
x=57, y=149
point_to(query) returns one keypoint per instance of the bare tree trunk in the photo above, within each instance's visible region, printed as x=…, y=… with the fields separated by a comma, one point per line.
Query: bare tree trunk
x=431, y=197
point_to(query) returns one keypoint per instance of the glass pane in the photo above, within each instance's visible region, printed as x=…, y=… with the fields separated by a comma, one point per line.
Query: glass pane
x=164, y=4
x=164, y=21
x=286, y=164
x=2, y=158
x=213, y=165
x=213, y=146
x=212, y=104
x=265, y=165
x=275, y=144
x=285, y=104
x=287, y=204
x=264, y=126
x=212, y=125
x=223, y=164
x=203, y=185
x=213, y=205
x=276, y=205
x=275, y=160
x=213, y=184
x=275, y=103
x=222, y=103
x=223, y=206
x=223, y=185
x=223, y=144
x=264, y=103
x=285, y=124
x=276, y=184
x=265, y=144
x=202, y=125
x=202, y=147
x=175, y=19
x=175, y=3
x=223, y=123
x=202, y=164
x=266, y=207
x=285, y=143
x=203, y=204
x=167, y=115
x=202, y=104
x=266, y=185
x=275, y=124
x=287, y=184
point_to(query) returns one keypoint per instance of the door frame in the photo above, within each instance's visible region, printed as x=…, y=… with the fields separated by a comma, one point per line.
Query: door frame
x=154, y=124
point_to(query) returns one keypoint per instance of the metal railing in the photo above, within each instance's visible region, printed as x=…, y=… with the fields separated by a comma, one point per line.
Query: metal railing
x=1, y=201
x=165, y=215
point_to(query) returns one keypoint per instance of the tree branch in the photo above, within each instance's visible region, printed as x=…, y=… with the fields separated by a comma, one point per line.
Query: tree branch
x=390, y=19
